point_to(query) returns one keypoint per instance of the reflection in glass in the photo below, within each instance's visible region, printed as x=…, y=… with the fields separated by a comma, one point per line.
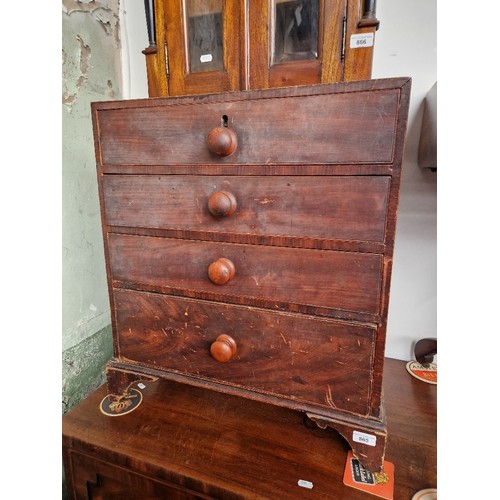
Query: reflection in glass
x=295, y=30
x=204, y=28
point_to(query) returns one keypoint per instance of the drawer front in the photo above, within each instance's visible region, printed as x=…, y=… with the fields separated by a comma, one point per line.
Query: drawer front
x=335, y=128
x=95, y=479
x=310, y=360
x=337, y=280
x=340, y=208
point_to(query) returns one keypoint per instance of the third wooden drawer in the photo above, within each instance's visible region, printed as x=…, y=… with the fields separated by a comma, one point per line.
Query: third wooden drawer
x=331, y=280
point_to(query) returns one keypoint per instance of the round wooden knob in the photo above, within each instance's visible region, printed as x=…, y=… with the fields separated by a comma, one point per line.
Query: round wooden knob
x=222, y=141
x=223, y=349
x=221, y=271
x=222, y=204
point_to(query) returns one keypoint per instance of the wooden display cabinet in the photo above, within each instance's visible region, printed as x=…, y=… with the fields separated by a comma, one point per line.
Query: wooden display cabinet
x=212, y=46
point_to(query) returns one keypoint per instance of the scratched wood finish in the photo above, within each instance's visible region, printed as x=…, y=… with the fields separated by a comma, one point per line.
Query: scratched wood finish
x=283, y=206
x=337, y=280
x=321, y=130
x=315, y=361
x=192, y=442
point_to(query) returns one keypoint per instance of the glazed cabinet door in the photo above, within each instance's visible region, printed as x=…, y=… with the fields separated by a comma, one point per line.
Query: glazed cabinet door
x=302, y=44
x=203, y=43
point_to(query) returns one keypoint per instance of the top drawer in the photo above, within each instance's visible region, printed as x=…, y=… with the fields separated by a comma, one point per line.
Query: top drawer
x=324, y=125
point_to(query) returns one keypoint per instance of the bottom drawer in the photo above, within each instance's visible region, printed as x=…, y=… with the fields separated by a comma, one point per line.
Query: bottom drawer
x=310, y=360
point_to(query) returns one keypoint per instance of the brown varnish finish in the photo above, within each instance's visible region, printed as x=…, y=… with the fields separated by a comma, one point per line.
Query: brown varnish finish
x=295, y=264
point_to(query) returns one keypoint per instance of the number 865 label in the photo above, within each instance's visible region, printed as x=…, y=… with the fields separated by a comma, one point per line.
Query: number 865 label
x=361, y=437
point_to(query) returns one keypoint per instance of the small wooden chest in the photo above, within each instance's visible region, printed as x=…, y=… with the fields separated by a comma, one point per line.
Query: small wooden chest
x=249, y=240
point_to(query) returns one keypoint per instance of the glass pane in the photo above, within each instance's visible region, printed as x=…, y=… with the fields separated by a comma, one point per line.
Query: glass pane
x=295, y=30
x=204, y=27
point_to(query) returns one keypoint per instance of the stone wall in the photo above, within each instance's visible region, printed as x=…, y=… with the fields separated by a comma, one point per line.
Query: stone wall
x=91, y=71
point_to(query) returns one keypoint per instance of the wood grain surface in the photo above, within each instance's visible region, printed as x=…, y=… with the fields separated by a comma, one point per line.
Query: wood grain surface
x=353, y=128
x=334, y=280
x=201, y=444
x=316, y=361
x=291, y=206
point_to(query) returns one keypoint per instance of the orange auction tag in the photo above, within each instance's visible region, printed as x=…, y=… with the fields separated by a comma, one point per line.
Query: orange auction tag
x=427, y=373
x=378, y=484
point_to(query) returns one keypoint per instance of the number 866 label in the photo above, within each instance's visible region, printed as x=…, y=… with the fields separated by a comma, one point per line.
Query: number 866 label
x=361, y=40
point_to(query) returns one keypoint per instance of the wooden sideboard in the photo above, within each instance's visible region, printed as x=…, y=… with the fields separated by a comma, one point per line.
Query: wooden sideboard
x=210, y=445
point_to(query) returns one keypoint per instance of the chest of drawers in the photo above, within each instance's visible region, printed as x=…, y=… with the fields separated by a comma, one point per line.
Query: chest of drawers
x=249, y=241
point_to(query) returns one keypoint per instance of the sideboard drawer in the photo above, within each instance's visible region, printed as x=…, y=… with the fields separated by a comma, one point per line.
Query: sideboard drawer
x=97, y=479
x=329, y=207
x=355, y=127
x=337, y=280
x=310, y=360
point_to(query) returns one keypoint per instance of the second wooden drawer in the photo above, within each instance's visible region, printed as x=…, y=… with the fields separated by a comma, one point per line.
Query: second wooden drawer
x=327, y=207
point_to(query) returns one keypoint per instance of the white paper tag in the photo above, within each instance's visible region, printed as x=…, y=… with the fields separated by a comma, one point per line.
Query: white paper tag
x=361, y=437
x=141, y=385
x=206, y=58
x=305, y=484
x=361, y=40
